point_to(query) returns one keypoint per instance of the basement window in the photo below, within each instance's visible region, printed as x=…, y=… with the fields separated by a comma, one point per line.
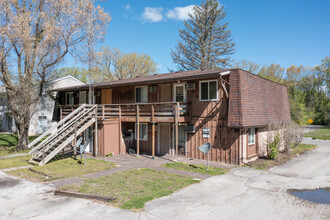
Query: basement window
x=251, y=138
x=208, y=90
x=143, y=131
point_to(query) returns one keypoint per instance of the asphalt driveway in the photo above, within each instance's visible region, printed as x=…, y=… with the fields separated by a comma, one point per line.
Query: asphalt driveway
x=243, y=193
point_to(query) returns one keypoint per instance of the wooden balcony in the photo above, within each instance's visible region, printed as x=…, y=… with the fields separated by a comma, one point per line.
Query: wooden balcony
x=144, y=112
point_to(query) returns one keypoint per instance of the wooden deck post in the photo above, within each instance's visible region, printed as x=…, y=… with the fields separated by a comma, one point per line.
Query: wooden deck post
x=153, y=130
x=120, y=134
x=138, y=130
x=75, y=141
x=96, y=134
x=176, y=129
x=103, y=112
x=61, y=113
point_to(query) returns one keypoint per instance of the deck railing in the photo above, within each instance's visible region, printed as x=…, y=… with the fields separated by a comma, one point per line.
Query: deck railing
x=159, y=109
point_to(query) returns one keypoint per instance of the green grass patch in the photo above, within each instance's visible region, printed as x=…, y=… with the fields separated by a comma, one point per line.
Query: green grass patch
x=8, y=144
x=322, y=134
x=64, y=168
x=265, y=164
x=197, y=168
x=10, y=162
x=133, y=188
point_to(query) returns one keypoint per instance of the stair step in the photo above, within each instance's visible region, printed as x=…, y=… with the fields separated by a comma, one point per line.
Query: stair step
x=33, y=161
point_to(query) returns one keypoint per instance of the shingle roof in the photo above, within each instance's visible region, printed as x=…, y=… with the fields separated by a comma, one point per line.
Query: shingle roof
x=255, y=101
x=156, y=78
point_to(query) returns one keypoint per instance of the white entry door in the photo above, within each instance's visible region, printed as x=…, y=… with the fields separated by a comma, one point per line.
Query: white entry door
x=82, y=97
x=88, y=133
x=42, y=124
x=179, y=93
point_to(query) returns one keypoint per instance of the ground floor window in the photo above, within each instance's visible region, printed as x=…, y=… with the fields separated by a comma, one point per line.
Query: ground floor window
x=143, y=131
x=251, y=139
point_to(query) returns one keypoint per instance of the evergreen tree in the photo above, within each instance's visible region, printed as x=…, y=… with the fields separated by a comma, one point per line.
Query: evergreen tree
x=205, y=41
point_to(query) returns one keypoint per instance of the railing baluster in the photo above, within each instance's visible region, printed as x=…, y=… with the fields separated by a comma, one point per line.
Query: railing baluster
x=103, y=111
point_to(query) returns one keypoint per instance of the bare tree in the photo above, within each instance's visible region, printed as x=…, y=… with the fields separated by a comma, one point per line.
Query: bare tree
x=35, y=35
x=115, y=65
x=247, y=65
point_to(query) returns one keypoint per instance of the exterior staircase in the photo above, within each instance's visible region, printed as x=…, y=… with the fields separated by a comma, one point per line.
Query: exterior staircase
x=50, y=143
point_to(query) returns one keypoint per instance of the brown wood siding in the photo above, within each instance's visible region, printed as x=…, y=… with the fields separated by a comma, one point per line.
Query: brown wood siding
x=211, y=114
x=125, y=95
x=106, y=96
x=224, y=141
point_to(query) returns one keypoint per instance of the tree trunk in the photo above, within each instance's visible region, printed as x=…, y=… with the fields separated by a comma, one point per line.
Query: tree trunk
x=23, y=136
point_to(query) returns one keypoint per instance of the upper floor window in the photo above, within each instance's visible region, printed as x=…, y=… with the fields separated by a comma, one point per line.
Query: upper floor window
x=141, y=94
x=208, y=90
x=251, y=138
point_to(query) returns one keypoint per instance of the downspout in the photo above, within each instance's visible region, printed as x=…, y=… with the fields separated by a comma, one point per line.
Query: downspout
x=223, y=86
x=240, y=155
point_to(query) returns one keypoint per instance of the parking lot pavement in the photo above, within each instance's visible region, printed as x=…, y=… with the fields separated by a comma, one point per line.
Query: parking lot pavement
x=243, y=193
x=21, y=199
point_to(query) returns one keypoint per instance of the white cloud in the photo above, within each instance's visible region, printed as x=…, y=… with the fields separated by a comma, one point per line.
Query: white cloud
x=153, y=14
x=180, y=13
x=128, y=7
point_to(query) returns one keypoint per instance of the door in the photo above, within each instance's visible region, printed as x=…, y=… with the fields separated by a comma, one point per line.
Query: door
x=181, y=140
x=179, y=93
x=106, y=96
x=165, y=92
x=82, y=97
x=88, y=134
x=164, y=139
x=42, y=124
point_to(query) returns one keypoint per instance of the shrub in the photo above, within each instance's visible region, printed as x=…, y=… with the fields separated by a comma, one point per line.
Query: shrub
x=292, y=136
x=273, y=147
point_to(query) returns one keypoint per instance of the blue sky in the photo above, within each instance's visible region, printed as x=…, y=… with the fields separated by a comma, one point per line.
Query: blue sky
x=284, y=32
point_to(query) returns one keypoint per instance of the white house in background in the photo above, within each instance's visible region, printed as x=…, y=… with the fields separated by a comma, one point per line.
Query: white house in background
x=42, y=116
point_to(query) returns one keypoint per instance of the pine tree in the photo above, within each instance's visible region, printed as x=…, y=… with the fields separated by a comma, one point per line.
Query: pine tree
x=205, y=41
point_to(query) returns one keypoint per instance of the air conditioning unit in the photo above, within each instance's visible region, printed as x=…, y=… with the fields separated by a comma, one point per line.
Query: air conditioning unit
x=152, y=88
x=190, y=86
x=190, y=129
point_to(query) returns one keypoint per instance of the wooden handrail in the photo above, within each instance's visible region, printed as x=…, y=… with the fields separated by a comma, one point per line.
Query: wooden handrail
x=159, y=109
x=55, y=126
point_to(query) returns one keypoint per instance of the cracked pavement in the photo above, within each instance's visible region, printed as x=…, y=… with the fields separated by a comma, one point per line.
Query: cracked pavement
x=242, y=193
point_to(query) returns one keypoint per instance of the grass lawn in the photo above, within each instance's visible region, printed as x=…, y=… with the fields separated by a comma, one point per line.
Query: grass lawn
x=323, y=134
x=197, y=168
x=10, y=162
x=8, y=143
x=63, y=168
x=133, y=188
x=265, y=164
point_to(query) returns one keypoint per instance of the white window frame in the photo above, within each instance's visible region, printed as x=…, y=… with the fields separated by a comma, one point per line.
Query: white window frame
x=208, y=92
x=66, y=98
x=146, y=88
x=146, y=137
x=254, y=136
x=184, y=91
